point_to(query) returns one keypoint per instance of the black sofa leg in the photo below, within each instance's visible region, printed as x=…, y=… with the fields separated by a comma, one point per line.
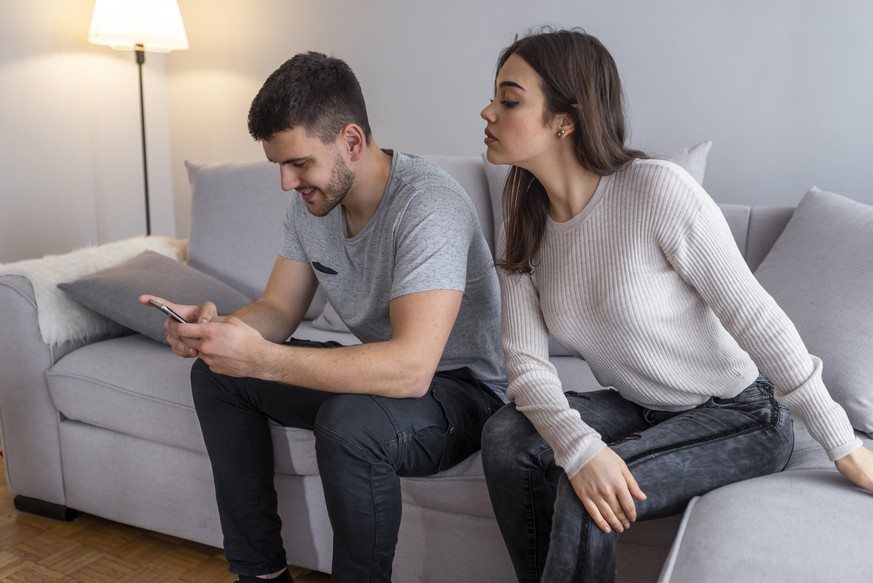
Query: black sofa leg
x=43, y=508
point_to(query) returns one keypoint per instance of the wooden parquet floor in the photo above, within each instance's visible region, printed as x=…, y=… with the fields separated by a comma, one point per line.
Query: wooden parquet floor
x=89, y=549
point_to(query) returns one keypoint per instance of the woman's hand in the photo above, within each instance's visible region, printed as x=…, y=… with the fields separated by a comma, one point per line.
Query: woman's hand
x=858, y=467
x=607, y=489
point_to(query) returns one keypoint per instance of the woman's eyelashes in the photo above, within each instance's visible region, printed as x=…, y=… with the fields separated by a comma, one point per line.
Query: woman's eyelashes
x=507, y=103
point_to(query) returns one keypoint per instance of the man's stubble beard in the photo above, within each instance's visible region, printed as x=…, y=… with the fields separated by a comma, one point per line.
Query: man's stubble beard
x=341, y=180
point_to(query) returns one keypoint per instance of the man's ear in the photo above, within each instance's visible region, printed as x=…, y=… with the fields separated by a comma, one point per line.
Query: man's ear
x=354, y=140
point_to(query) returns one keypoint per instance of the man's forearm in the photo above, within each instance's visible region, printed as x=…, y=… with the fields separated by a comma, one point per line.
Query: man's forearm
x=400, y=367
x=272, y=323
x=378, y=368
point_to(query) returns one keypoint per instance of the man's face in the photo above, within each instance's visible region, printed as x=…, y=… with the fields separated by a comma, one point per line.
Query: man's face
x=314, y=169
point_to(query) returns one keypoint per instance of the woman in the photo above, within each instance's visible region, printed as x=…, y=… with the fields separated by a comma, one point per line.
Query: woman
x=630, y=263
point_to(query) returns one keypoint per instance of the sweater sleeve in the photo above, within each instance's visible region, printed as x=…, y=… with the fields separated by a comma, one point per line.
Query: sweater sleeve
x=705, y=255
x=534, y=384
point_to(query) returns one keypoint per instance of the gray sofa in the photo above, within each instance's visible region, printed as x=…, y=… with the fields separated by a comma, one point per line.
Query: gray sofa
x=105, y=425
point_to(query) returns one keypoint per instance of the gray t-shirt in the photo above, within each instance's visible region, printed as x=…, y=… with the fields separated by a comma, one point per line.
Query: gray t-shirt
x=424, y=236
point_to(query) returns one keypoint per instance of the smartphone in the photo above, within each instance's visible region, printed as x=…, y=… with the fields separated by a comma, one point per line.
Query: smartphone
x=168, y=311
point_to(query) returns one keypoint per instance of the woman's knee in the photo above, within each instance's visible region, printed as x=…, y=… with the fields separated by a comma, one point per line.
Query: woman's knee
x=503, y=422
x=508, y=436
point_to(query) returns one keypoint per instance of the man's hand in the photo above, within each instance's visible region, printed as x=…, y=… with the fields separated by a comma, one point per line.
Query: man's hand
x=199, y=314
x=227, y=345
x=858, y=467
x=607, y=490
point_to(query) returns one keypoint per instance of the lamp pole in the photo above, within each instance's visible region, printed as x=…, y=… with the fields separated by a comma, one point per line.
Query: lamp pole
x=155, y=25
x=139, y=50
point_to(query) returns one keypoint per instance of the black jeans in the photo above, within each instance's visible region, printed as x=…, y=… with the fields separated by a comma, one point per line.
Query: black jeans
x=673, y=456
x=363, y=444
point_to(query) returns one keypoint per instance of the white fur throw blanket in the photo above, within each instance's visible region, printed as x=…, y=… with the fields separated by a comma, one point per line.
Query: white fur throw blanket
x=61, y=318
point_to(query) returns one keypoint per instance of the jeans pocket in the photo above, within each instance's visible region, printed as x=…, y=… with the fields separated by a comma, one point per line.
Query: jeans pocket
x=466, y=409
x=756, y=402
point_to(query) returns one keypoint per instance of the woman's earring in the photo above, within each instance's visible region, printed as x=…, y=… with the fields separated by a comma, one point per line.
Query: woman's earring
x=560, y=134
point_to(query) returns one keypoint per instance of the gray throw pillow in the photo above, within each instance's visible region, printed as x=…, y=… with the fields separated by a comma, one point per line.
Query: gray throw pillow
x=113, y=292
x=820, y=271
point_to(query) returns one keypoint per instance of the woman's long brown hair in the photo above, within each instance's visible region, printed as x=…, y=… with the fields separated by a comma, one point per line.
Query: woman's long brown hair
x=580, y=80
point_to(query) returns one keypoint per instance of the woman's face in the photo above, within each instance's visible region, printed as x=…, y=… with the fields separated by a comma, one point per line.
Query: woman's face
x=516, y=132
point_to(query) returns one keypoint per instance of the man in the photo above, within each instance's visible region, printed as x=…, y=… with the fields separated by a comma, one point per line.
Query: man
x=396, y=245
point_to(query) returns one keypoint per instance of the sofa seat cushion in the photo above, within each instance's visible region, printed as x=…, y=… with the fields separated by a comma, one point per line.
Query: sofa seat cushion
x=137, y=387
x=459, y=489
x=293, y=451
x=462, y=490
x=808, y=454
x=131, y=385
x=778, y=528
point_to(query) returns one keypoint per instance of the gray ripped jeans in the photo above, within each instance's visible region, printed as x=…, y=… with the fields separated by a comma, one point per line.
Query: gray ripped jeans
x=673, y=456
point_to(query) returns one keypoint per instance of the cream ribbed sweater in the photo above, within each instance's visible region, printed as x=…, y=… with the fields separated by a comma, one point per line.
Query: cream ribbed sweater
x=648, y=286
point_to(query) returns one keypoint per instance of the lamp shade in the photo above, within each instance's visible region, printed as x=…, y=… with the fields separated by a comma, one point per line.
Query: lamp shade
x=123, y=24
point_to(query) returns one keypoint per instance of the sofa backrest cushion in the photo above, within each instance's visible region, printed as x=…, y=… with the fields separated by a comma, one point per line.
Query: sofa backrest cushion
x=468, y=171
x=755, y=228
x=237, y=210
x=820, y=271
x=737, y=217
x=765, y=225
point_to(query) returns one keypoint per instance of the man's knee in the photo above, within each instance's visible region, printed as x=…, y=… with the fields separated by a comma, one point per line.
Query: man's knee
x=355, y=424
x=201, y=378
x=207, y=385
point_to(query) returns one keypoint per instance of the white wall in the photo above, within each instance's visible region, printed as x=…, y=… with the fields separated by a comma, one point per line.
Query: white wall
x=70, y=150
x=782, y=87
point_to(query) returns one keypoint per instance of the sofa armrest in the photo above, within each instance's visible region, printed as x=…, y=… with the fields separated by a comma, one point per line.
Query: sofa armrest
x=28, y=417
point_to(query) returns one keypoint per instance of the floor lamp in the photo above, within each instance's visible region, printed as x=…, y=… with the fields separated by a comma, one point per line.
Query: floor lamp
x=139, y=25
